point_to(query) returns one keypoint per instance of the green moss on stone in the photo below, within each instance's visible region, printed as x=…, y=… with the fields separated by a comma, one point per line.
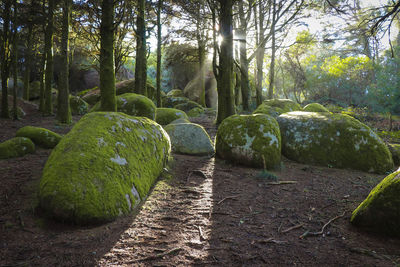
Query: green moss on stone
x=315, y=107
x=134, y=105
x=172, y=101
x=40, y=136
x=188, y=106
x=395, y=150
x=180, y=120
x=196, y=112
x=175, y=93
x=266, y=109
x=103, y=167
x=16, y=147
x=78, y=105
x=380, y=211
x=333, y=140
x=247, y=139
x=165, y=116
x=286, y=105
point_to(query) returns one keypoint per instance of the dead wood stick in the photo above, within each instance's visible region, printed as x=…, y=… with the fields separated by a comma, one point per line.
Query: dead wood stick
x=308, y=233
x=282, y=182
x=202, y=238
x=292, y=228
x=229, y=197
x=157, y=256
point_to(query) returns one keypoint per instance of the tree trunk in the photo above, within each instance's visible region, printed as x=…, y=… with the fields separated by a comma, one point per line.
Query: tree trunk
x=48, y=106
x=41, y=80
x=63, y=108
x=5, y=63
x=15, y=62
x=28, y=55
x=244, y=63
x=237, y=80
x=141, y=59
x=202, y=80
x=159, y=40
x=107, y=68
x=260, y=53
x=224, y=82
x=273, y=51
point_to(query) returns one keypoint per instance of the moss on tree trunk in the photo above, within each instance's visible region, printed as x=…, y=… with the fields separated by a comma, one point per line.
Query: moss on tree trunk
x=48, y=105
x=141, y=60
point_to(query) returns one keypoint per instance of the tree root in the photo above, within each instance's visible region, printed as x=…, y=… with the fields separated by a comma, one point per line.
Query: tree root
x=308, y=233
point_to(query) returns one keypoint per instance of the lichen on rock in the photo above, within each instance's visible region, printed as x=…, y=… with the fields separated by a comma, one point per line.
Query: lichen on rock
x=380, y=211
x=40, y=136
x=16, y=147
x=165, y=116
x=334, y=140
x=186, y=106
x=103, y=167
x=172, y=101
x=189, y=138
x=250, y=140
x=315, y=107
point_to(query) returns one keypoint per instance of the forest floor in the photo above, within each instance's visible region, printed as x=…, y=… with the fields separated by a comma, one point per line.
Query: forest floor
x=208, y=212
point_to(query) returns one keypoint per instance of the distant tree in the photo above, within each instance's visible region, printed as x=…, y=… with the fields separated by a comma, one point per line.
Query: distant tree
x=141, y=50
x=159, y=43
x=5, y=57
x=15, y=58
x=48, y=50
x=28, y=51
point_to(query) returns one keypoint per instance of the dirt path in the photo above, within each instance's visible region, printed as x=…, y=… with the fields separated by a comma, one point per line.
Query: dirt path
x=205, y=212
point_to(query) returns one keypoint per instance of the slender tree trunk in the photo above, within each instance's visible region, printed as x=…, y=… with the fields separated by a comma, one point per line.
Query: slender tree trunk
x=15, y=62
x=63, y=108
x=107, y=68
x=260, y=54
x=244, y=63
x=202, y=80
x=273, y=51
x=48, y=108
x=41, y=80
x=226, y=106
x=28, y=57
x=141, y=59
x=5, y=63
x=237, y=80
x=159, y=41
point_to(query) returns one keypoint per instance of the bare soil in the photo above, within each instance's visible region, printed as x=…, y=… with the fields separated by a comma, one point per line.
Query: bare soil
x=205, y=212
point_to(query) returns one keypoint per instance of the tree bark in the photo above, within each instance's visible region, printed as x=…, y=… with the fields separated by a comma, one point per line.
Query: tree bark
x=225, y=74
x=5, y=62
x=41, y=80
x=28, y=55
x=244, y=63
x=48, y=106
x=273, y=51
x=260, y=52
x=63, y=108
x=15, y=61
x=141, y=59
x=159, y=41
x=107, y=68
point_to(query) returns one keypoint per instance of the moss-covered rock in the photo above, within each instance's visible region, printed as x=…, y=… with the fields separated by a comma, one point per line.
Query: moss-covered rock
x=247, y=139
x=395, y=150
x=20, y=112
x=188, y=106
x=175, y=93
x=180, y=120
x=195, y=112
x=78, y=105
x=16, y=147
x=315, y=107
x=91, y=96
x=170, y=102
x=266, y=109
x=34, y=90
x=40, y=136
x=103, y=167
x=286, y=105
x=134, y=105
x=165, y=116
x=189, y=138
x=333, y=140
x=380, y=211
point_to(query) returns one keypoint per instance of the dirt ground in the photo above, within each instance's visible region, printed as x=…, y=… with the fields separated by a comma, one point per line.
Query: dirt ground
x=205, y=212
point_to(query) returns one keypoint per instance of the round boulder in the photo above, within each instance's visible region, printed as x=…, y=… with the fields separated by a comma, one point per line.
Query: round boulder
x=266, y=109
x=250, y=140
x=165, y=116
x=103, y=168
x=16, y=147
x=172, y=101
x=196, y=112
x=315, y=107
x=78, y=105
x=395, y=150
x=189, y=138
x=333, y=140
x=286, y=105
x=380, y=211
x=40, y=136
x=188, y=106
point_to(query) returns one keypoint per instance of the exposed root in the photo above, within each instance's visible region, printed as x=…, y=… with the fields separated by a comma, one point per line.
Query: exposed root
x=292, y=228
x=230, y=197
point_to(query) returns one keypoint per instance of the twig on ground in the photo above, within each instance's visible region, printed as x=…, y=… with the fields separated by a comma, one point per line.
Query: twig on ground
x=308, y=233
x=160, y=255
x=202, y=238
x=229, y=197
x=282, y=182
x=271, y=240
x=292, y=228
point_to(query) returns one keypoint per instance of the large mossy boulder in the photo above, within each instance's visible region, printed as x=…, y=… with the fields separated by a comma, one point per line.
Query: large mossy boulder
x=250, y=140
x=266, y=109
x=333, y=140
x=16, y=147
x=40, y=136
x=103, y=168
x=189, y=138
x=196, y=112
x=395, y=150
x=134, y=105
x=165, y=116
x=315, y=107
x=78, y=105
x=172, y=101
x=188, y=106
x=286, y=105
x=380, y=211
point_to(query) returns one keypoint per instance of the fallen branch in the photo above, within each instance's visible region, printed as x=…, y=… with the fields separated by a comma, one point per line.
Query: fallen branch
x=202, y=238
x=160, y=255
x=308, y=233
x=282, y=182
x=230, y=197
x=292, y=228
